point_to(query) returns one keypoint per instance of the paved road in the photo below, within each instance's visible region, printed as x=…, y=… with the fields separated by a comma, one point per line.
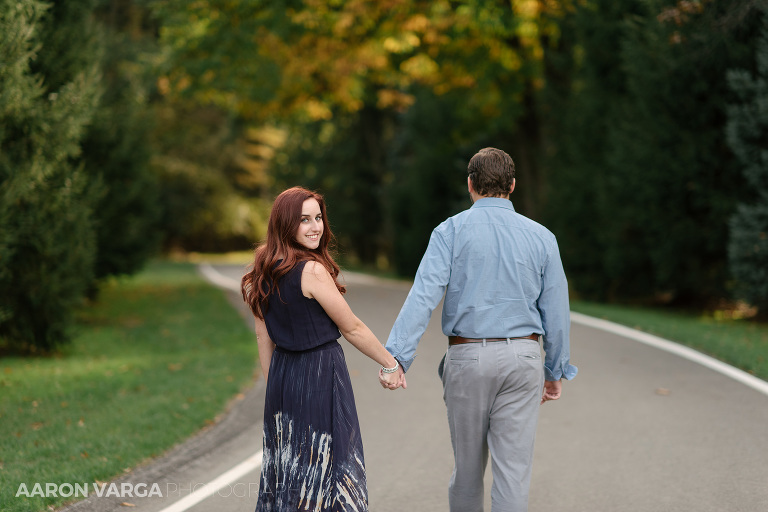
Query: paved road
x=639, y=430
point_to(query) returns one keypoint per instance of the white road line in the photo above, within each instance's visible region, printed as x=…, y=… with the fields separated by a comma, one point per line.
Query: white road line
x=219, y=279
x=674, y=348
x=250, y=464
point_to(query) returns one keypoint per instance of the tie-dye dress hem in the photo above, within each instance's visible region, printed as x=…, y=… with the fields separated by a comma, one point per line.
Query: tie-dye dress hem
x=313, y=452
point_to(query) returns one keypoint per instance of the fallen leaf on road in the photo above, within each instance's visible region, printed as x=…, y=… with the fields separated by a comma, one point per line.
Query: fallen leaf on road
x=662, y=391
x=126, y=504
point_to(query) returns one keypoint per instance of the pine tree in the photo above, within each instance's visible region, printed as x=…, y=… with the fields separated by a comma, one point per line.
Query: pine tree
x=46, y=225
x=643, y=183
x=116, y=148
x=747, y=136
x=586, y=82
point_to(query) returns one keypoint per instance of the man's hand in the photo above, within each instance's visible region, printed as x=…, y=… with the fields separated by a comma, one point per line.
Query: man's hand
x=393, y=380
x=552, y=390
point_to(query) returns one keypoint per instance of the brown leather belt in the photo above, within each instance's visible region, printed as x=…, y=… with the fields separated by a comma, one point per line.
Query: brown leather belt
x=459, y=340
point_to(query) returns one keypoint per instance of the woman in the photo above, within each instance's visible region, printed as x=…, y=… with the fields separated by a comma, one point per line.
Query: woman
x=313, y=452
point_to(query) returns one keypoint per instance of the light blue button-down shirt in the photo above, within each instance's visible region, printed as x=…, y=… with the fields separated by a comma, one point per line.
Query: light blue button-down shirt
x=501, y=275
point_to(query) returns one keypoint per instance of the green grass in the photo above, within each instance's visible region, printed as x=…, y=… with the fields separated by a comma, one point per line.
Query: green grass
x=741, y=343
x=158, y=357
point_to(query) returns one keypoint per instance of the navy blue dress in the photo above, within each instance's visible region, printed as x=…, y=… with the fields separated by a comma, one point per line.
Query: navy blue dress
x=313, y=452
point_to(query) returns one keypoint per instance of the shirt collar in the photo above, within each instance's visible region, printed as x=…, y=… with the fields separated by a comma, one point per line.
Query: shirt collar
x=499, y=202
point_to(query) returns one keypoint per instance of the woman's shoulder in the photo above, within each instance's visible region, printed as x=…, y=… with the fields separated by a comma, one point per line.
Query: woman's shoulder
x=312, y=267
x=315, y=277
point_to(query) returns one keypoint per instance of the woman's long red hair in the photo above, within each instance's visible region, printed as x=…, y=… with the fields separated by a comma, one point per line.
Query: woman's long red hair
x=260, y=280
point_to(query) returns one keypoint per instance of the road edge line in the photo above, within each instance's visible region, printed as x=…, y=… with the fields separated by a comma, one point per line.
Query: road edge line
x=673, y=347
x=217, y=278
x=251, y=463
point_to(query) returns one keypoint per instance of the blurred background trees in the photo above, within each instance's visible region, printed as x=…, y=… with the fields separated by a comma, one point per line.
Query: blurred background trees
x=656, y=179
x=129, y=127
x=747, y=136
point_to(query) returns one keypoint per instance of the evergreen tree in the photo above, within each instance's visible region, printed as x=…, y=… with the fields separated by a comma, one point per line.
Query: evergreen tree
x=642, y=183
x=747, y=136
x=116, y=148
x=585, y=84
x=46, y=225
x=673, y=181
x=428, y=183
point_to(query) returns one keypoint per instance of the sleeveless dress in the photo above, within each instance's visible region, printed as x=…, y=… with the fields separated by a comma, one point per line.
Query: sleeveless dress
x=313, y=452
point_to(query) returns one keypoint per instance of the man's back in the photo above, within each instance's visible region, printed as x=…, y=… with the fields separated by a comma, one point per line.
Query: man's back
x=498, y=262
x=502, y=277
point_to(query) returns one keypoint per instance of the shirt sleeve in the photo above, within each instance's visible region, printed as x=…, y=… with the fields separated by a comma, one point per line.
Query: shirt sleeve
x=556, y=319
x=428, y=288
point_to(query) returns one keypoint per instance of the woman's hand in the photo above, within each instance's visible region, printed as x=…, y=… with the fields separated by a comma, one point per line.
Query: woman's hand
x=394, y=380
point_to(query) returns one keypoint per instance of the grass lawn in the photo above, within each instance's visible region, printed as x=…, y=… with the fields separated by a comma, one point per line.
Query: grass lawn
x=157, y=358
x=740, y=343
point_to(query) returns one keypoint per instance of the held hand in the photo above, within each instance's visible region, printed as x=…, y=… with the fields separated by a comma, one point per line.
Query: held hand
x=552, y=390
x=394, y=380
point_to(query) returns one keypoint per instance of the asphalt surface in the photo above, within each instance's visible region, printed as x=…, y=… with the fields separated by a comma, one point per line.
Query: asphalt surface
x=638, y=430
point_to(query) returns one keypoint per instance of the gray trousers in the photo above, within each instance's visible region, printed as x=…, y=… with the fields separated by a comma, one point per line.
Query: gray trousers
x=492, y=392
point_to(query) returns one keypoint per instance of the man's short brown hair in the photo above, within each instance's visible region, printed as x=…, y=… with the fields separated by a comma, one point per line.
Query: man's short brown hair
x=492, y=172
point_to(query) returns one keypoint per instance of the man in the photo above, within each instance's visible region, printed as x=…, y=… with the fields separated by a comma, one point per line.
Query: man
x=504, y=287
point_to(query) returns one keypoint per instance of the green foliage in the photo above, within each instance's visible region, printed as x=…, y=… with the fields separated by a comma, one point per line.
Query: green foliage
x=747, y=130
x=209, y=201
x=648, y=184
x=747, y=250
x=614, y=112
x=585, y=82
x=78, y=200
x=46, y=233
x=116, y=154
x=672, y=180
x=337, y=78
x=428, y=182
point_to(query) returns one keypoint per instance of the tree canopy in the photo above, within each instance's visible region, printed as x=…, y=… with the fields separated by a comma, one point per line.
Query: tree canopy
x=133, y=125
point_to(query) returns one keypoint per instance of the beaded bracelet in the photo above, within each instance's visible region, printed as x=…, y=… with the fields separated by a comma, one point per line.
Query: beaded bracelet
x=391, y=370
